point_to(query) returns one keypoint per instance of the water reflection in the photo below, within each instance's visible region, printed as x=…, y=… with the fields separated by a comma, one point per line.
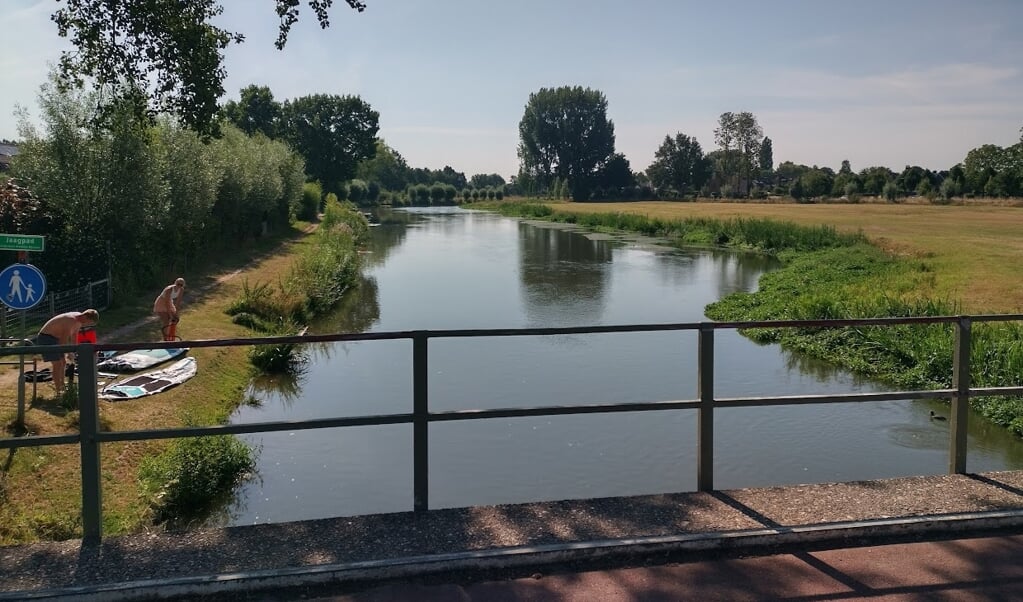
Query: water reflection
x=737, y=273
x=564, y=276
x=283, y=388
x=389, y=232
x=448, y=268
x=819, y=369
x=358, y=310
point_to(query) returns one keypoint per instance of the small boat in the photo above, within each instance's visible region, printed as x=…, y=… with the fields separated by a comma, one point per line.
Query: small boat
x=151, y=383
x=139, y=359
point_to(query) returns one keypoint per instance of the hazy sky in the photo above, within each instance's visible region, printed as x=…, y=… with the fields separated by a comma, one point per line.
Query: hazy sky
x=878, y=82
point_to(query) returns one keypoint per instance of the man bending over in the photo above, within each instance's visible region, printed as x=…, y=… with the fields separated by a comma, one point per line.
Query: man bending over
x=62, y=329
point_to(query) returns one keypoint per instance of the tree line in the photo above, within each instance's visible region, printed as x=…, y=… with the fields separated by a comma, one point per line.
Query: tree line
x=137, y=200
x=337, y=136
x=567, y=144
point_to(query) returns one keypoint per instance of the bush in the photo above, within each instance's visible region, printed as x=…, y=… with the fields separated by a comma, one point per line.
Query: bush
x=191, y=474
x=312, y=197
x=948, y=190
x=890, y=192
x=852, y=192
x=280, y=358
x=437, y=192
x=358, y=192
x=422, y=194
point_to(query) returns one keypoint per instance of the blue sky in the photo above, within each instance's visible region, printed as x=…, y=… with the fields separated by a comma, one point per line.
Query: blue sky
x=876, y=82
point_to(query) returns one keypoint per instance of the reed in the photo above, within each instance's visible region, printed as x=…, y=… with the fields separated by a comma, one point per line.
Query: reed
x=327, y=268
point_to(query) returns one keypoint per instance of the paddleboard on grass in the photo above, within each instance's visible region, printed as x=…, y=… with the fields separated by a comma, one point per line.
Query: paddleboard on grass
x=151, y=383
x=140, y=359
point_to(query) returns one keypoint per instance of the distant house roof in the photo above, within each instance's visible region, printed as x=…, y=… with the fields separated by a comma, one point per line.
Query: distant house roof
x=6, y=152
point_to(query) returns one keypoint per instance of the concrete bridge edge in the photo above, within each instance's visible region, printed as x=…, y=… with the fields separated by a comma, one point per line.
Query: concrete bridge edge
x=595, y=554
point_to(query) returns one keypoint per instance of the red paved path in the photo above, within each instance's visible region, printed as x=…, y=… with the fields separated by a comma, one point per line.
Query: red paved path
x=960, y=570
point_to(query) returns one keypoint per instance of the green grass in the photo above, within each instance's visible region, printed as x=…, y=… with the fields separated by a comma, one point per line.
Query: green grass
x=327, y=267
x=827, y=274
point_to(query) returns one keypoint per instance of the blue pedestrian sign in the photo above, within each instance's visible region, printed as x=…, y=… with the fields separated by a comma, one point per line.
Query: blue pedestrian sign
x=22, y=286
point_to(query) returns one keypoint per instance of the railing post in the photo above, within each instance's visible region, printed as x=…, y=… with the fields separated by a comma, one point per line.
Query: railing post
x=705, y=413
x=420, y=424
x=960, y=399
x=88, y=429
x=21, y=387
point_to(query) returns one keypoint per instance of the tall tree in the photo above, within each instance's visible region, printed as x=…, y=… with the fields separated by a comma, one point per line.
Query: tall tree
x=333, y=133
x=843, y=179
x=565, y=133
x=680, y=164
x=873, y=179
x=766, y=155
x=256, y=111
x=616, y=174
x=982, y=164
x=160, y=55
x=742, y=133
x=387, y=168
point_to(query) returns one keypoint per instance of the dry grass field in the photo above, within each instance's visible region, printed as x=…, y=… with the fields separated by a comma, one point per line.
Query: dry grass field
x=976, y=251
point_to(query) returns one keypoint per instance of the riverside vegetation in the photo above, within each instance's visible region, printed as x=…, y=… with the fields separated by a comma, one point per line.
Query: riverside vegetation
x=148, y=482
x=182, y=481
x=828, y=274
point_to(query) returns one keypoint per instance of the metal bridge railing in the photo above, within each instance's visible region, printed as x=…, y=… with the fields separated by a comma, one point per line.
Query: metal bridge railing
x=90, y=438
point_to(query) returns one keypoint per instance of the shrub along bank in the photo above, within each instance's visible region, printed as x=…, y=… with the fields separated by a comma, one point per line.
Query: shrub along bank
x=825, y=274
x=192, y=473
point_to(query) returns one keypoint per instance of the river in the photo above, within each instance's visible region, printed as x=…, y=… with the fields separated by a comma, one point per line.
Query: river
x=447, y=268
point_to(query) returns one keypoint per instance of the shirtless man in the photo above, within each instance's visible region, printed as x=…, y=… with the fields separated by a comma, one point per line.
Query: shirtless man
x=62, y=329
x=167, y=305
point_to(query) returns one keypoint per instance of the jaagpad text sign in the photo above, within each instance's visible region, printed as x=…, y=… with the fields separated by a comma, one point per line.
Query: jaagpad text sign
x=22, y=242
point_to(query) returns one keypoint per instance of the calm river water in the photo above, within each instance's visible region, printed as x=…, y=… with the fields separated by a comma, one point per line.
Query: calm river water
x=450, y=268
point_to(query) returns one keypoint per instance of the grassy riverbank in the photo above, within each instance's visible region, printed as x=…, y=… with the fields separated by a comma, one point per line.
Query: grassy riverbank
x=842, y=272
x=39, y=490
x=974, y=251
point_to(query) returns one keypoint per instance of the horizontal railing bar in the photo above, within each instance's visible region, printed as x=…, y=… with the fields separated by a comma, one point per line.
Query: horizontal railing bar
x=995, y=317
x=646, y=406
x=39, y=441
x=509, y=332
x=736, y=402
x=834, y=323
x=254, y=427
x=459, y=415
x=503, y=332
x=1005, y=391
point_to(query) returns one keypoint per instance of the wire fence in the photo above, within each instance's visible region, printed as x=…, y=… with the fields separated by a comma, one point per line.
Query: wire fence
x=22, y=323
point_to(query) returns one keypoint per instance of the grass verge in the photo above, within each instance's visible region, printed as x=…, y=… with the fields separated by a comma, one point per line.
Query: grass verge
x=52, y=474
x=830, y=274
